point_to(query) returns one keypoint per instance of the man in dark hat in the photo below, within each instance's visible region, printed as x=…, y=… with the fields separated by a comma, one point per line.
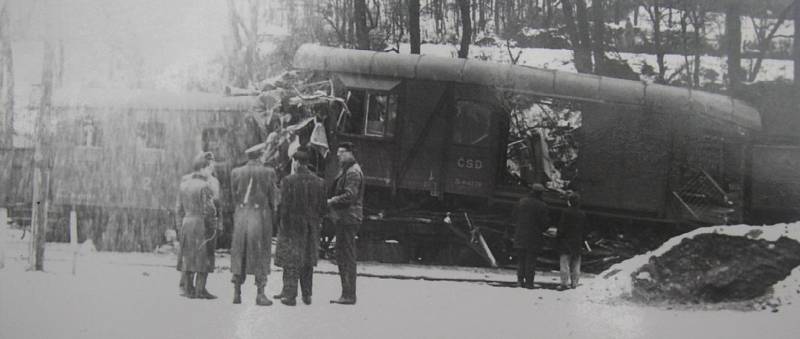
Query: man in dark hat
x=302, y=207
x=346, y=203
x=254, y=192
x=570, y=241
x=531, y=219
x=197, y=215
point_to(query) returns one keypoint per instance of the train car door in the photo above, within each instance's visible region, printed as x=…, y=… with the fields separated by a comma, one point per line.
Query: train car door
x=470, y=159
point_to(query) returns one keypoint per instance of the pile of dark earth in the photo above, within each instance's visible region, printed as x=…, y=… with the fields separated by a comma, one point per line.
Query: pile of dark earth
x=713, y=268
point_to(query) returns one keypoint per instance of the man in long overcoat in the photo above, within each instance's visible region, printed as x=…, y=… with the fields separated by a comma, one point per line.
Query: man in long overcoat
x=197, y=213
x=347, y=203
x=570, y=241
x=187, y=290
x=254, y=192
x=302, y=206
x=531, y=219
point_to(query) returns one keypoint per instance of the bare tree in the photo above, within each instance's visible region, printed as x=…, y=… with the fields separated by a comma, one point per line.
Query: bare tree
x=733, y=43
x=654, y=10
x=466, y=29
x=362, y=32
x=413, y=26
x=765, y=33
x=578, y=34
x=6, y=82
x=599, y=17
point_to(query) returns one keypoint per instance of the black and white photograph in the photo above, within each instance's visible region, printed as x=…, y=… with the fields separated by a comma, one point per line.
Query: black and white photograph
x=399, y=169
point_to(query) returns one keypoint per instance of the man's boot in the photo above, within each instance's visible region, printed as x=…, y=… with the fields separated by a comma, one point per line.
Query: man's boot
x=200, y=290
x=307, y=299
x=261, y=299
x=237, y=294
x=187, y=285
x=289, y=301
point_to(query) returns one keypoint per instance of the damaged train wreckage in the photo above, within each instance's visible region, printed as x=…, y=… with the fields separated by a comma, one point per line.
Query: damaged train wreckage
x=446, y=146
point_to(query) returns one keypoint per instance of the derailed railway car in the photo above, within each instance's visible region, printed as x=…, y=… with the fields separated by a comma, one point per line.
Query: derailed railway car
x=439, y=125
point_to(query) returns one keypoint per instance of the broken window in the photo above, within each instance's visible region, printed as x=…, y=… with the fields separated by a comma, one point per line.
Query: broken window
x=151, y=134
x=472, y=124
x=371, y=113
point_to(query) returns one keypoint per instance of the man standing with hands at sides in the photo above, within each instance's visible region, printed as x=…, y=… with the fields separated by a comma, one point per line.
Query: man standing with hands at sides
x=197, y=216
x=570, y=241
x=254, y=192
x=302, y=207
x=346, y=203
x=531, y=219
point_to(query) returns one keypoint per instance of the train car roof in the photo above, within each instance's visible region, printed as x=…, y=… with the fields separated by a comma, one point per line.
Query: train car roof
x=524, y=79
x=151, y=99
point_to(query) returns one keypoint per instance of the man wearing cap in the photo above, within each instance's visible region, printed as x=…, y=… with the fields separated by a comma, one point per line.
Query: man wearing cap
x=186, y=289
x=346, y=203
x=302, y=206
x=254, y=192
x=570, y=241
x=531, y=219
x=196, y=213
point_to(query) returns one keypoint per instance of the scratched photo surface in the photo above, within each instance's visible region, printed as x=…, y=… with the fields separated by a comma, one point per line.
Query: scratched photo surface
x=399, y=169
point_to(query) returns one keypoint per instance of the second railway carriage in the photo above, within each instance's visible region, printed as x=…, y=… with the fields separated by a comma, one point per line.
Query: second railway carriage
x=440, y=125
x=119, y=156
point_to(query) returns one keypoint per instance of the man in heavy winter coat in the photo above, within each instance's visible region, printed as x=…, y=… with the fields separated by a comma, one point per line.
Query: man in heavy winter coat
x=346, y=203
x=196, y=212
x=254, y=191
x=302, y=207
x=570, y=241
x=530, y=219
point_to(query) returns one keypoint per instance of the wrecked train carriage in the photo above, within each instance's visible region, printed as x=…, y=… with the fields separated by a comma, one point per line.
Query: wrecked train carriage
x=647, y=151
x=119, y=156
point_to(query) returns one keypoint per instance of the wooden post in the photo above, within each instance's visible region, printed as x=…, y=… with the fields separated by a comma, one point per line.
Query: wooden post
x=73, y=237
x=3, y=235
x=42, y=159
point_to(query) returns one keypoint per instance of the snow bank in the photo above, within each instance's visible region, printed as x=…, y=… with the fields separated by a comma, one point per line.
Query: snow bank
x=616, y=281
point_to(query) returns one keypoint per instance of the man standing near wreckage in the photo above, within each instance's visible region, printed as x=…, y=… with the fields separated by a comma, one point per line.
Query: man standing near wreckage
x=197, y=215
x=346, y=203
x=530, y=219
x=254, y=191
x=301, y=210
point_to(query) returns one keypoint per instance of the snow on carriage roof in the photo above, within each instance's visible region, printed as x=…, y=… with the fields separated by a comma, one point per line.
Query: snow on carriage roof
x=584, y=87
x=151, y=99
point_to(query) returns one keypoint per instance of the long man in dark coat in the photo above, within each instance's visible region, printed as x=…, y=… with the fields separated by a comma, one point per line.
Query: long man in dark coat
x=530, y=219
x=302, y=207
x=346, y=203
x=254, y=191
x=570, y=241
x=197, y=213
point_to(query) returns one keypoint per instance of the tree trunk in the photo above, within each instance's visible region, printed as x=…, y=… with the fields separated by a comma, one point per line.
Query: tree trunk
x=6, y=83
x=796, y=51
x=581, y=44
x=497, y=17
x=362, y=33
x=599, y=36
x=43, y=156
x=466, y=29
x=763, y=46
x=413, y=26
x=656, y=16
x=733, y=43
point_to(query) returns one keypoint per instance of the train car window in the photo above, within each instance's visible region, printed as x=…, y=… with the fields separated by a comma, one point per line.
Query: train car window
x=472, y=123
x=215, y=141
x=151, y=134
x=89, y=133
x=371, y=113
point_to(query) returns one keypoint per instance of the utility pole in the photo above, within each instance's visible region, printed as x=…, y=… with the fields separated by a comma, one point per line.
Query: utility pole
x=43, y=164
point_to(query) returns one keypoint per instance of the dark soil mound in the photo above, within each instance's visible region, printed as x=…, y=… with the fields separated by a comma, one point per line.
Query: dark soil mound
x=716, y=268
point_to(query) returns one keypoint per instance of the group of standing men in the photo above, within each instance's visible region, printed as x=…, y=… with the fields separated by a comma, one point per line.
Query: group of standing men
x=296, y=206
x=531, y=218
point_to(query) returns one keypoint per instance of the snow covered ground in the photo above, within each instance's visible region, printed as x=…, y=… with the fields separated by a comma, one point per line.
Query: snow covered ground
x=116, y=295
